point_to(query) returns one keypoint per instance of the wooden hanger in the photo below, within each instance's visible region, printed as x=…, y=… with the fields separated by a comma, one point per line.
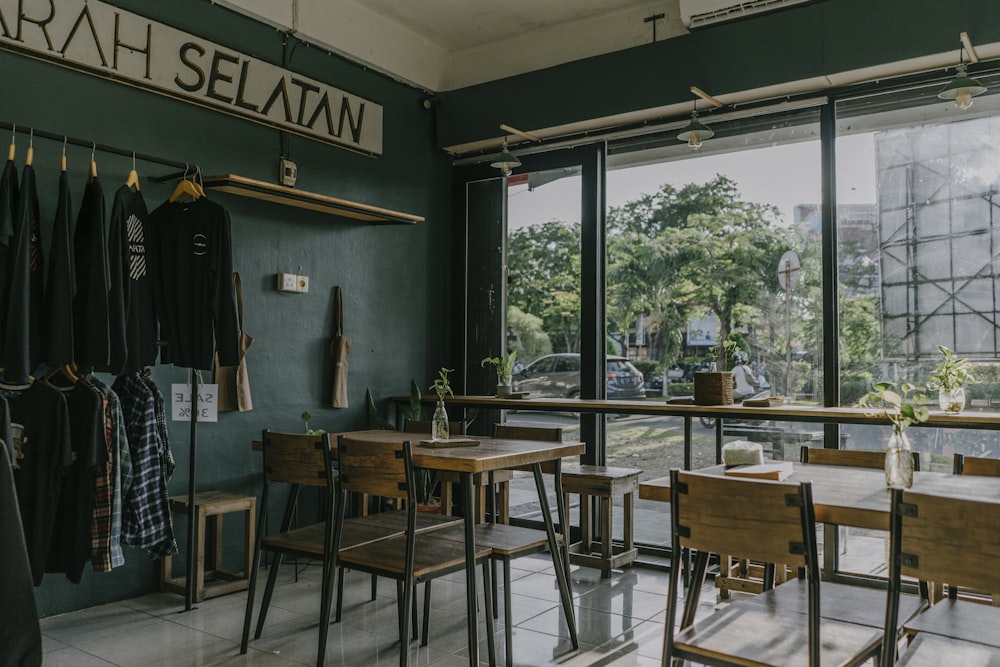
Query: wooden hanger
x=186, y=188
x=13, y=135
x=93, y=164
x=63, y=163
x=31, y=149
x=133, y=177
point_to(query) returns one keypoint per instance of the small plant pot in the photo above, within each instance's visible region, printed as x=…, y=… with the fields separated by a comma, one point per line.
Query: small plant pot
x=952, y=400
x=504, y=390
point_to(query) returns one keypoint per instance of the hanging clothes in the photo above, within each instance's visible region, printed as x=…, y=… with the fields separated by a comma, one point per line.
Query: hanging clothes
x=118, y=285
x=39, y=421
x=196, y=304
x=23, y=341
x=146, y=515
x=8, y=211
x=93, y=281
x=85, y=479
x=20, y=635
x=106, y=557
x=129, y=214
x=60, y=289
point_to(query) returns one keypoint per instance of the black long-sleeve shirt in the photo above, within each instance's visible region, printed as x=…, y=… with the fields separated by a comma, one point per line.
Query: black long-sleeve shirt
x=196, y=304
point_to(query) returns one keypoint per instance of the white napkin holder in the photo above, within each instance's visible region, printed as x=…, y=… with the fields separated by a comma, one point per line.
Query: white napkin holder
x=742, y=452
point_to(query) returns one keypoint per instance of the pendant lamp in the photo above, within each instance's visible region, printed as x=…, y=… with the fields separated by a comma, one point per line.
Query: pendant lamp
x=695, y=132
x=506, y=161
x=963, y=87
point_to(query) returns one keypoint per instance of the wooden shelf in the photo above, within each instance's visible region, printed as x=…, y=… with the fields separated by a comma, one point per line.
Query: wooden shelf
x=279, y=194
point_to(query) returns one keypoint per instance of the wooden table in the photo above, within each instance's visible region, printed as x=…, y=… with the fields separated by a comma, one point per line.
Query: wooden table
x=850, y=496
x=490, y=455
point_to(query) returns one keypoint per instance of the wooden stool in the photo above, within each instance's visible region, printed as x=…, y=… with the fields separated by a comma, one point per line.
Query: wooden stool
x=450, y=482
x=213, y=581
x=604, y=483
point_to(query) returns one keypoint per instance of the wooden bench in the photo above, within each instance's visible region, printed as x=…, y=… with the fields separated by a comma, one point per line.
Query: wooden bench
x=605, y=483
x=210, y=579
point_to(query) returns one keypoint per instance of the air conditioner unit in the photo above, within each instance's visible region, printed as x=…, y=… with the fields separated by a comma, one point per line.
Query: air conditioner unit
x=701, y=13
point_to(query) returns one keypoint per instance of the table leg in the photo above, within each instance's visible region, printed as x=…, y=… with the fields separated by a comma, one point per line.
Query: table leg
x=561, y=568
x=687, y=442
x=471, y=610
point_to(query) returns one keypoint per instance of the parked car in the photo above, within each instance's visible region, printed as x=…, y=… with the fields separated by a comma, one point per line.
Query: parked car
x=558, y=375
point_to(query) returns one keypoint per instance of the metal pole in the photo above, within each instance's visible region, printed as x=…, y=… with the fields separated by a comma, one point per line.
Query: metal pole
x=192, y=514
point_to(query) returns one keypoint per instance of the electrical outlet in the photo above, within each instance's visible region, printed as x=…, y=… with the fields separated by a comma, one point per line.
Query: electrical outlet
x=302, y=284
x=287, y=282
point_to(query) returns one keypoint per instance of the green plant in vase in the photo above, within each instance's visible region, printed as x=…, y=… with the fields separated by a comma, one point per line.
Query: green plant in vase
x=903, y=408
x=504, y=367
x=949, y=377
x=441, y=387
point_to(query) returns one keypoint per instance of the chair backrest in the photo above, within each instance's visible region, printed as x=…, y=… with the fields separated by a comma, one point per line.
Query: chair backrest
x=762, y=520
x=376, y=468
x=424, y=426
x=755, y=519
x=976, y=465
x=543, y=433
x=297, y=458
x=859, y=458
x=952, y=540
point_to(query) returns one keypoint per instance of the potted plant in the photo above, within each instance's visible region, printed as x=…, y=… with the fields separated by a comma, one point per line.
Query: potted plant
x=441, y=387
x=311, y=431
x=715, y=386
x=504, y=366
x=903, y=408
x=949, y=378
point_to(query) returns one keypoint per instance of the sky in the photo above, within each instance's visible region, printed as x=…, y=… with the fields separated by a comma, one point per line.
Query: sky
x=784, y=175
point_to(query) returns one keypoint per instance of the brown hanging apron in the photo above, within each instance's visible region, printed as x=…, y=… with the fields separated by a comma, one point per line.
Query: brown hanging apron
x=340, y=349
x=234, y=381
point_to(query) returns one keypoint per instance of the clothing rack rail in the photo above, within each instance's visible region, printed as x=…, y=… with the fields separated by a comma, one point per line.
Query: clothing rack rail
x=105, y=148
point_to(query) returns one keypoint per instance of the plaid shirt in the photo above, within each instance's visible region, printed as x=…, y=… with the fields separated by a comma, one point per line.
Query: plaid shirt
x=104, y=490
x=118, y=437
x=146, y=517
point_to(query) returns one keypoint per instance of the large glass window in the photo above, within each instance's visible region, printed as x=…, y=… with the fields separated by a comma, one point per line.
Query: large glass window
x=694, y=245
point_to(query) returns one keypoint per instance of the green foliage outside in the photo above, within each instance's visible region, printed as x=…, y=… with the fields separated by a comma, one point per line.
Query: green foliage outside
x=528, y=335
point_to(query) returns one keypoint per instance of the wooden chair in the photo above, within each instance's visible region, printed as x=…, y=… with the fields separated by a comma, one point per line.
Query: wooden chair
x=975, y=465
x=295, y=460
x=859, y=458
x=953, y=540
x=770, y=522
x=450, y=481
x=413, y=557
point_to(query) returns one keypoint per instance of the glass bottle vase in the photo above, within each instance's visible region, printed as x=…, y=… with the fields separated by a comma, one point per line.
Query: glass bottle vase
x=898, y=461
x=439, y=425
x=951, y=400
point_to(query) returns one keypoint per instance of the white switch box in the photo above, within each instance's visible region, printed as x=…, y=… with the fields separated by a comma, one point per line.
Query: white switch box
x=286, y=282
x=290, y=282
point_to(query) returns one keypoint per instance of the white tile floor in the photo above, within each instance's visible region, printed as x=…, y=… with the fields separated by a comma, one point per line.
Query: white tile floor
x=619, y=620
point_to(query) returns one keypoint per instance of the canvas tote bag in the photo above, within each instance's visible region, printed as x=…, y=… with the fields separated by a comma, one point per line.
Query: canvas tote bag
x=233, y=381
x=340, y=350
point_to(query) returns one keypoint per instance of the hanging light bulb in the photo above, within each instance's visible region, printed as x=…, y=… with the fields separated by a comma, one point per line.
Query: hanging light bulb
x=506, y=161
x=695, y=132
x=962, y=88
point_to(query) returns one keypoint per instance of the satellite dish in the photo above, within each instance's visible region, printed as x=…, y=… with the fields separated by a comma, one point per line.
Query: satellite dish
x=788, y=270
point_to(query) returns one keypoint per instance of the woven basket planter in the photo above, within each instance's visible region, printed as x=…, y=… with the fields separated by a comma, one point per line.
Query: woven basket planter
x=713, y=388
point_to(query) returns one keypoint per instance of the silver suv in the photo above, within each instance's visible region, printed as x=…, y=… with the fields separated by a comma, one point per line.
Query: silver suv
x=558, y=375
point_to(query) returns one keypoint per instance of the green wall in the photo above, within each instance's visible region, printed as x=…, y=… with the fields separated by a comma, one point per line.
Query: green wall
x=388, y=273
x=797, y=43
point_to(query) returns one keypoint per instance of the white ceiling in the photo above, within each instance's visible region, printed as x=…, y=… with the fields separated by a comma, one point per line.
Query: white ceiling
x=440, y=45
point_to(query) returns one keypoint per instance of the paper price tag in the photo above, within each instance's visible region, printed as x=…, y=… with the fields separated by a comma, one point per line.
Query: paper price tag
x=180, y=402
